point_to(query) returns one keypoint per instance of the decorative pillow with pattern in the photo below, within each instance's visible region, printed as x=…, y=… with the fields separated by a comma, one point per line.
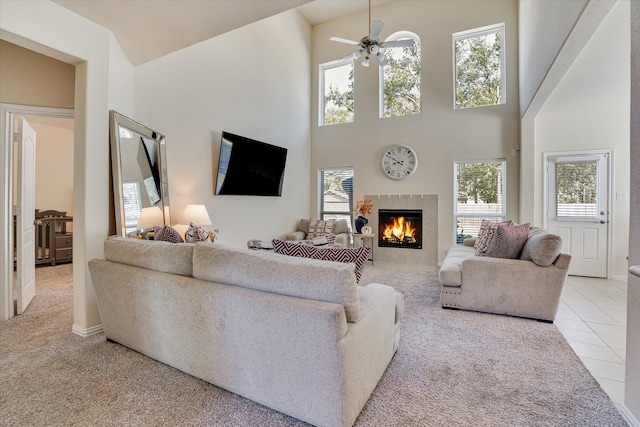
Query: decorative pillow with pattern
x=487, y=228
x=196, y=233
x=358, y=256
x=319, y=228
x=508, y=241
x=167, y=233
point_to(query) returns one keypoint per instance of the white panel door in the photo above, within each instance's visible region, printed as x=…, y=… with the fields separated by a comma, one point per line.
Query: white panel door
x=578, y=209
x=25, y=283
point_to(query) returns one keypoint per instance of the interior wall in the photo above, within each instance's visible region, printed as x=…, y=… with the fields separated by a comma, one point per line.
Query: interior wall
x=440, y=135
x=36, y=25
x=260, y=91
x=589, y=110
x=632, y=375
x=544, y=26
x=30, y=78
x=54, y=164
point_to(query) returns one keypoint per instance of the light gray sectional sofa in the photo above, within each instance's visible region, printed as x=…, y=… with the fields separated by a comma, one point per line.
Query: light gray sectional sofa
x=294, y=334
x=529, y=286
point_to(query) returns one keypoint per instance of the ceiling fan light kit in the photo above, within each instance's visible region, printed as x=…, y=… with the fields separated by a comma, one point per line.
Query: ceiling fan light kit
x=370, y=46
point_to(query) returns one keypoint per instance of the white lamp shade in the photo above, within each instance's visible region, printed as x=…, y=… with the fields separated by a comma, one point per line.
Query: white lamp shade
x=196, y=214
x=150, y=217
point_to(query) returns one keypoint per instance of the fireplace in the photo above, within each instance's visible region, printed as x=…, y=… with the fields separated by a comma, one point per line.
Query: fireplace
x=400, y=228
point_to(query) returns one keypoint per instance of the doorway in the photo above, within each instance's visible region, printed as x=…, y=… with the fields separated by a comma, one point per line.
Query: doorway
x=53, y=124
x=578, y=208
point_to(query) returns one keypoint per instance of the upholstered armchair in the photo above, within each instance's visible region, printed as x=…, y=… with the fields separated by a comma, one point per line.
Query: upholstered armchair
x=310, y=228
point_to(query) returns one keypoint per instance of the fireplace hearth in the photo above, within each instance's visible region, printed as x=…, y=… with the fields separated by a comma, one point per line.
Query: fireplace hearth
x=400, y=228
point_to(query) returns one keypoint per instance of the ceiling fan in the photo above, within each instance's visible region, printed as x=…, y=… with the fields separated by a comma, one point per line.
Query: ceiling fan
x=370, y=46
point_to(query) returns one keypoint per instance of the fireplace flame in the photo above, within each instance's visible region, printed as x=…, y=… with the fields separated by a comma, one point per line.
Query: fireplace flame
x=400, y=231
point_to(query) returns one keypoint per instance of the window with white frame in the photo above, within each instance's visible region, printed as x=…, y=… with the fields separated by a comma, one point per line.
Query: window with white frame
x=336, y=92
x=479, y=193
x=400, y=78
x=336, y=194
x=479, y=67
x=132, y=204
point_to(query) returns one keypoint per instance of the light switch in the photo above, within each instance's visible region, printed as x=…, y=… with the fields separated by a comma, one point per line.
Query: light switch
x=621, y=196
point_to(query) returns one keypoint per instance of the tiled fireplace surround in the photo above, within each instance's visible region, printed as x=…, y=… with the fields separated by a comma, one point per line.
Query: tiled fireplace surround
x=428, y=255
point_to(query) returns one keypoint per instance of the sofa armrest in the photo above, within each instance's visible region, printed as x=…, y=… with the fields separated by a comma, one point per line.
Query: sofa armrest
x=343, y=240
x=512, y=286
x=294, y=235
x=371, y=295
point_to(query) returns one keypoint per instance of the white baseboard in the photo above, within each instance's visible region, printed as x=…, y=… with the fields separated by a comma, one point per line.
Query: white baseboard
x=83, y=332
x=621, y=278
x=629, y=417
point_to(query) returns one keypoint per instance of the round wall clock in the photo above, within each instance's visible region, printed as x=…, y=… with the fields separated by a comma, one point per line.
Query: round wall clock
x=399, y=161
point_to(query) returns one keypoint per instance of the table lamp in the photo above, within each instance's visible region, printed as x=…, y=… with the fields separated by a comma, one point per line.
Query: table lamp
x=149, y=218
x=196, y=214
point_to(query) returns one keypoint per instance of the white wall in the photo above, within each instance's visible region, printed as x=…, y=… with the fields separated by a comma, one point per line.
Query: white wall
x=589, y=109
x=54, y=166
x=254, y=82
x=440, y=135
x=544, y=26
x=121, y=79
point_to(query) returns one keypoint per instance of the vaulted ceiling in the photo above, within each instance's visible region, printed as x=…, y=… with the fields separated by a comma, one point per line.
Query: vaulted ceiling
x=147, y=30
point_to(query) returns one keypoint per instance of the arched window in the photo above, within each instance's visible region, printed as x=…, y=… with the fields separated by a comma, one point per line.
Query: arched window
x=400, y=78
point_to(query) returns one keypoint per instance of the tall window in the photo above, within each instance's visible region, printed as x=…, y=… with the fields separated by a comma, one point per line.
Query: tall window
x=132, y=204
x=336, y=92
x=400, y=78
x=336, y=195
x=479, y=70
x=479, y=193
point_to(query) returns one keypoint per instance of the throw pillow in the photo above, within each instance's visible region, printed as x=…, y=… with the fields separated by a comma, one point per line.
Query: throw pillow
x=166, y=233
x=542, y=248
x=319, y=228
x=358, y=256
x=507, y=241
x=482, y=233
x=196, y=233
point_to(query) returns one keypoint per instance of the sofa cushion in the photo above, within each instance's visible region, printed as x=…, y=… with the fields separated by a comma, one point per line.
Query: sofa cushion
x=341, y=227
x=507, y=242
x=166, y=233
x=358, y=256
x=154, y=255
x=303, y=225
x=542, y=248
x=271, y=272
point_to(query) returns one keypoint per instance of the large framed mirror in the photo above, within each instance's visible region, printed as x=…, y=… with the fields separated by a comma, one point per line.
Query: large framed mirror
x=140, y=181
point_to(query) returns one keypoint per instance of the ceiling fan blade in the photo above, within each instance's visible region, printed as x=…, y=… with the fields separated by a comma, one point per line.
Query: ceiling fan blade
x=347, y=41
x=376, y=29
x=397, y=43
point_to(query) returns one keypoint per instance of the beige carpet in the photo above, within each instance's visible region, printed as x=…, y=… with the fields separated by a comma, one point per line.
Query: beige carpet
x=453, y=368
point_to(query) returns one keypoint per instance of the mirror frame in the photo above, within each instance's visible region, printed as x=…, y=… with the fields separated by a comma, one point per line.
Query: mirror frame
x=116, y=121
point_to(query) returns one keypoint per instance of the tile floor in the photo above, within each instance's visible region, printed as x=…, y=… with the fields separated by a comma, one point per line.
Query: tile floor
x=593, y=317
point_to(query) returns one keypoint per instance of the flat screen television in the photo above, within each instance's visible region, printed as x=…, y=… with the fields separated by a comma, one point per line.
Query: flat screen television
x=249, y=168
